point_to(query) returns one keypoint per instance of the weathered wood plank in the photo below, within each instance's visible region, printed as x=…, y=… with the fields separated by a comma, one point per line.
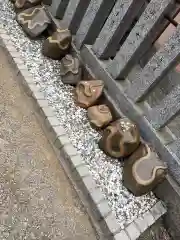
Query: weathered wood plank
x=93, y=21
x=74, y=14
x=156, y=69
x=140, y=38
x=118, y=22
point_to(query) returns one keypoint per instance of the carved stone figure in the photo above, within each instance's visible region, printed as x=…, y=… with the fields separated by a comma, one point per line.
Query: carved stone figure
x=88, y=92
x=70, y=70
x=25, y=4
x=120, y=139
x=57, y=45
x=99, y=116
x=33, y=21
x=143, y=171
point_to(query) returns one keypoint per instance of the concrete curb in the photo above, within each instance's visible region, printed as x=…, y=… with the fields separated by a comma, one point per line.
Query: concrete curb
x=103, y=219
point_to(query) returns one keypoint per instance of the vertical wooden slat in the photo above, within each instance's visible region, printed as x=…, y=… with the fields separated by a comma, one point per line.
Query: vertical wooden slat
x=140, y=38
x=58, y=8
x=115, y=27
x=156, y=68
x=93, y=21
x=74, y=14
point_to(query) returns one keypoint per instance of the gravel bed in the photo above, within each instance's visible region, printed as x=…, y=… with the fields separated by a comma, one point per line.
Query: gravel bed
x=107, y=172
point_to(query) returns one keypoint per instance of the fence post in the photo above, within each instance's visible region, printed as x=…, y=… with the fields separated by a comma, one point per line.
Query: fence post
x=74, y=14
x=93, y=21
x=156, y=68
x=58, y=8
x=140, y=38
x=168, y=109
x=118, y=22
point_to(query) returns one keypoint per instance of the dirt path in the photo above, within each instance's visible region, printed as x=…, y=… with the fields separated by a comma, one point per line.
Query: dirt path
x=36, y=199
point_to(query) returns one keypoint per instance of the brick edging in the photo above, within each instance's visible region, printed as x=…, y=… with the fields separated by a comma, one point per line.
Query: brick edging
x=102, y=217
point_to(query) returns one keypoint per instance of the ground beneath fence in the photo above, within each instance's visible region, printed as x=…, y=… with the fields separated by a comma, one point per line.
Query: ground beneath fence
x=36, y=199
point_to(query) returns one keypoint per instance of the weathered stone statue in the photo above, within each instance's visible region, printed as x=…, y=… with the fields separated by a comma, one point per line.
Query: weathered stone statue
x=120, y=139
x=88, y=92
x=99, y=116
x=70, y=70
x=33, y=21
x=143, y=171
x=25, y=4
x=57, y=45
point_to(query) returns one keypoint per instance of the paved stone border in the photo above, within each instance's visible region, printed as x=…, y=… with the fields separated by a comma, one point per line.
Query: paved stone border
x=96, y=205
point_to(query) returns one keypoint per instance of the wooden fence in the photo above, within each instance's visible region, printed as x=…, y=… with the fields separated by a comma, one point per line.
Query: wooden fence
x=114, y=37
